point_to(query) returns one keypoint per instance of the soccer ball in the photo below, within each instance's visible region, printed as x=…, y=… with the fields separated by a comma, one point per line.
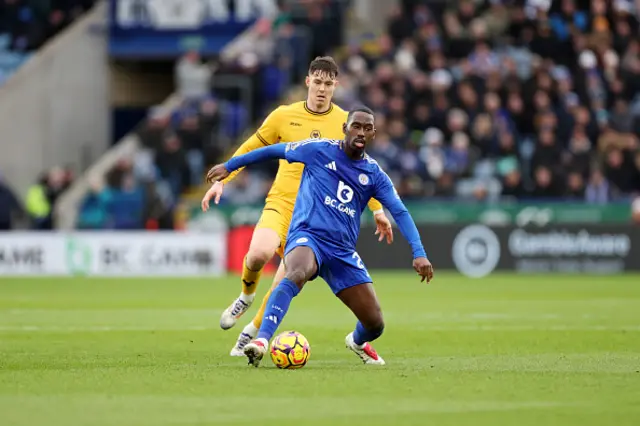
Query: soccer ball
x=290, y=350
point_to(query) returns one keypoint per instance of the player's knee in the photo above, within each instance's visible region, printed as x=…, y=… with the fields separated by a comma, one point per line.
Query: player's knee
x=257, y=257
x=297, y=275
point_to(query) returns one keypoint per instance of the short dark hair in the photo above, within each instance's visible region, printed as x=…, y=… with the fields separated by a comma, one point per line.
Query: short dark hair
x=324, y=64
x=360, y=108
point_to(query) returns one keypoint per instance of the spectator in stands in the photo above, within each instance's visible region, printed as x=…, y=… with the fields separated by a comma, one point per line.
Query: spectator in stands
x=57, y=182
x=192, y=77
x=209, y=125
x=599, y=191
x=190, y=135
x=512, y=185
x=152, y=130
x=38, y=205
x=248, y=188
x=172, y=164
x=42, y=196
x=95, y=207
x=575, y=186
x=125, y=204
x=10, y=206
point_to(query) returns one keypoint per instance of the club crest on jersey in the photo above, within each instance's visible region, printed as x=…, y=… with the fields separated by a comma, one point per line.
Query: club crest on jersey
x=315, y=134
x=364, y=179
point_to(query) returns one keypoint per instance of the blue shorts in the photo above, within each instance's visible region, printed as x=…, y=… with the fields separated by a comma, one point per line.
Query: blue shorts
x=339, y=267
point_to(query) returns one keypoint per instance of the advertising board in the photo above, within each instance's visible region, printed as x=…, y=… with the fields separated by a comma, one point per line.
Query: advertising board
x=113, y=254
x=477, y=250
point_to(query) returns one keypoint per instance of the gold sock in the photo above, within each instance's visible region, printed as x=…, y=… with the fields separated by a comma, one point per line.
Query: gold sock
x=249, y=279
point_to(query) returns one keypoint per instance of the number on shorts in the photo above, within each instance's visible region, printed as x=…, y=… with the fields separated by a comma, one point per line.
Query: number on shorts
x=358, y=260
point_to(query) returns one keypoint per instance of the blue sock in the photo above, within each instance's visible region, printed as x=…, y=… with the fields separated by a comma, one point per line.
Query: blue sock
x=277, y=308
x=361, y=335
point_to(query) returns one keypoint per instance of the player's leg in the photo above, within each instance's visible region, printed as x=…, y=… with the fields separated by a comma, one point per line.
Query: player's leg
x=351, y=282
x=265, y=241
x=302, y=265
x=363, y=302
x=250, y=331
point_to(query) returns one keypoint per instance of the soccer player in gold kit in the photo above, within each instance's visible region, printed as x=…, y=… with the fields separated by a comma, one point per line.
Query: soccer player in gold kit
x=315, y=117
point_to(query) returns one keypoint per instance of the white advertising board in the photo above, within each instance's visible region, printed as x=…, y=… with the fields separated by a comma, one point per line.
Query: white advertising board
x=113, y=253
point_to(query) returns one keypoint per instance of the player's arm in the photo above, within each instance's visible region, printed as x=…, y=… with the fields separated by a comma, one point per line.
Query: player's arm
x=268, y=134
x=383, y=225
x=256, y=156
x=385, y=192
x=295, y=152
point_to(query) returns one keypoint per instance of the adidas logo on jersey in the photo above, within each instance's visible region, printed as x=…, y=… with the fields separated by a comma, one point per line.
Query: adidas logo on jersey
x=331, y=165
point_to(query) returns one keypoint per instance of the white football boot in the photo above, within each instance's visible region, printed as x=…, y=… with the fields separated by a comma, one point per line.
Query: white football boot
x=367, y=354
x=248, y=334
x=256, y=350
x=232, y=314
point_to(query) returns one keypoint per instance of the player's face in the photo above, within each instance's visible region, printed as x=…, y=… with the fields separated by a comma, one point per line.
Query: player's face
x=359, y=131
x=321, y=87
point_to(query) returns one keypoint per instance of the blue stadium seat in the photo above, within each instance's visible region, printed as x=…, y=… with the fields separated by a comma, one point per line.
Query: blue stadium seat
x=5, y=39
x=11, y=59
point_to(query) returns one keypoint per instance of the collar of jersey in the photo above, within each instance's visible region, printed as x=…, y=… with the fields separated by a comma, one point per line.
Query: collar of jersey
x=306, y=108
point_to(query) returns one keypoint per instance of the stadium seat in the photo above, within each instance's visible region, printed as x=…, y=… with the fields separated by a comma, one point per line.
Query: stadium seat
x=5, y=39
x=10, y=59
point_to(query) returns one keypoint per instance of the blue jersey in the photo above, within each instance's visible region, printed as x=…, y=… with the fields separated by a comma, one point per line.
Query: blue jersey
x=334, y=191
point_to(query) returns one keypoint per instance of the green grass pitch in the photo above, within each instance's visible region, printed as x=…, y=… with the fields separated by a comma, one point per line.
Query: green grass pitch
x=505, y=350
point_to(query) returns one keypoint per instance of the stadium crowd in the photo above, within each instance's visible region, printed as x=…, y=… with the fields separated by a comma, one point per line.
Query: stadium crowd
x=504, y=99
x=36, y=212
x=177, y=145
x=478, y=100
x=25, y=25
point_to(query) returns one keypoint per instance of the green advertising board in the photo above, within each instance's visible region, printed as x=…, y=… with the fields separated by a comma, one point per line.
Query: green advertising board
x=461, y=212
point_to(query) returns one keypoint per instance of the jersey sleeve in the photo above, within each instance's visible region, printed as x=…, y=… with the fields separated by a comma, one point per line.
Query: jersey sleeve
x=267, y=134
x=302, y=152
x=387, y=194
x=256, y=156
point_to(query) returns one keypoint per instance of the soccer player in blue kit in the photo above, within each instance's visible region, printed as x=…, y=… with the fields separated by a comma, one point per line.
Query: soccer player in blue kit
x=337, y=182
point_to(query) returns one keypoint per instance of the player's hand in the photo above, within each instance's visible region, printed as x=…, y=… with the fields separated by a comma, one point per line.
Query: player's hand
x=217, y=173
x=383, y=227
x=214, y=192
x=424, y=268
